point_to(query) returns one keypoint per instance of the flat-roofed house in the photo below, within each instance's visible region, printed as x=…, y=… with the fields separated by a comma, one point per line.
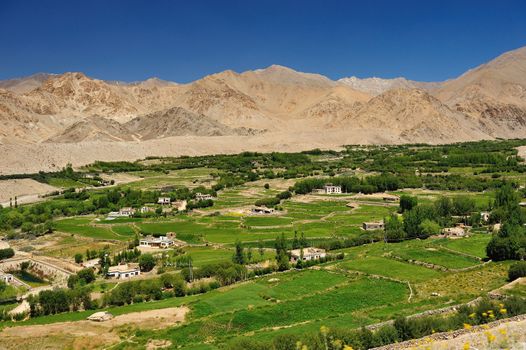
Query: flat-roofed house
x=203, y=196
x=156, y=242
x=7, y=278
x=454, y=231
x=164, y=200
x=127, y=211
x=262, y=210
x=371, y=226
x=308, y=254
x=331, y=189
x=124, y=271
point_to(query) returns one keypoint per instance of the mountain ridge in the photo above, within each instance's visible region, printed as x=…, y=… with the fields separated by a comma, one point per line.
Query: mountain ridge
x=485, y=102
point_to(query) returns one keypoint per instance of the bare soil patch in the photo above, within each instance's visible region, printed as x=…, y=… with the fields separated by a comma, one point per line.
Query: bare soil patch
x=87, y=334
x=22, y=188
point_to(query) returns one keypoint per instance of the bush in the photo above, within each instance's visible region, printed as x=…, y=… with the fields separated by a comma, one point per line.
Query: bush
x=517, y=270
x=6, y=253
x=146, y=262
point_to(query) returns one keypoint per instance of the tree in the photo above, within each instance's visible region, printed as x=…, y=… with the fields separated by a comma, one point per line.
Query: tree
x=407, y=202
x=429, y=228
x=463, y=205
x=267, y=186
x=394, y=228
x=146, y=262
x=87, y=275
x=6, y=253
x=414, y=217
x=261, y=249
x=282, y=257
x=78, y=258
x=295, y=241
x=444, y=206
x=239, y=254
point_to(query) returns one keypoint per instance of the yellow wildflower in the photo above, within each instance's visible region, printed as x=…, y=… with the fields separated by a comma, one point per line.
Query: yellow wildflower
x=347, y=347
x=503, y=332
x=484, y=314
x=467, y=326
x=490, y=337
x=472, y=315
x=503, y=311
x=324, y=330
x=466, y=346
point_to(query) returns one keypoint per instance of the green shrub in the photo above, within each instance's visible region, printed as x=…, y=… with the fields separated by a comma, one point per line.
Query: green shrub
x=517, y=270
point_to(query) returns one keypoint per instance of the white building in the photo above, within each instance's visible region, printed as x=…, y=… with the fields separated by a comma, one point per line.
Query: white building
x=330, y=189
x=124, y=271
x=122, y=213
x=484, y=216
x=156, y=242
x=308, y=254
x=164, y=200
x=7, y=278
x=454, y=232
x=262, y=210
x=145, y=210
x=203, y=197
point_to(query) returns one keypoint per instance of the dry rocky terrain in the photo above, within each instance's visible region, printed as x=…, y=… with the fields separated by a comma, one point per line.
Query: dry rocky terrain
x=49, y=120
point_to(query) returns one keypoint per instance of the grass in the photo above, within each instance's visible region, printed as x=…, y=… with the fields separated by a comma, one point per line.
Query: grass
x=390, y=268
x=474, y=245
x=323, y=304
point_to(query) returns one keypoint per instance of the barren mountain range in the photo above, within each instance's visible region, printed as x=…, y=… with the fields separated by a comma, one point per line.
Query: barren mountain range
x=274, y=108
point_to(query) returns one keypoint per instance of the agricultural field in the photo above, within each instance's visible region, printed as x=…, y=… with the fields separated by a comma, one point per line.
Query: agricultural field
x=233, y=270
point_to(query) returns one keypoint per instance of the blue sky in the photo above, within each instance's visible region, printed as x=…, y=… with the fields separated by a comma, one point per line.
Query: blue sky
x=187, y=39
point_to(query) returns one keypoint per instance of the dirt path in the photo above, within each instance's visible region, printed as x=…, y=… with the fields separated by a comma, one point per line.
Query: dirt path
x=87, y=334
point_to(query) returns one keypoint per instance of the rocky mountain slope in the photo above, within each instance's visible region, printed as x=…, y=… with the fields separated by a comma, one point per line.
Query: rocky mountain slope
x=486, y=102
x=376, y=86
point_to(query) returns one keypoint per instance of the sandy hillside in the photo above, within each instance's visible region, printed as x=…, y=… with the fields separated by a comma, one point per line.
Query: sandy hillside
x=276, y=108
x=22, y=187
x=87, y=334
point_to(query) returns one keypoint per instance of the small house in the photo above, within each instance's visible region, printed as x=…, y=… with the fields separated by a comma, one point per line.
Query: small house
x=145, y=210
x=371, y=226
x=156, y=242
x=127, y=211
x=484, y=216
x=262, y=210
x=454, y=231
x=7, y=278
x=307, y=255
x=331, y=189
x=124, y=271
x=164, y=200
x=203, y=197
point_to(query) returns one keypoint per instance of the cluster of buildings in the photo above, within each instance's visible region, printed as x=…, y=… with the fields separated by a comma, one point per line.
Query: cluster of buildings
x=127, y=212
x=156, y=242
